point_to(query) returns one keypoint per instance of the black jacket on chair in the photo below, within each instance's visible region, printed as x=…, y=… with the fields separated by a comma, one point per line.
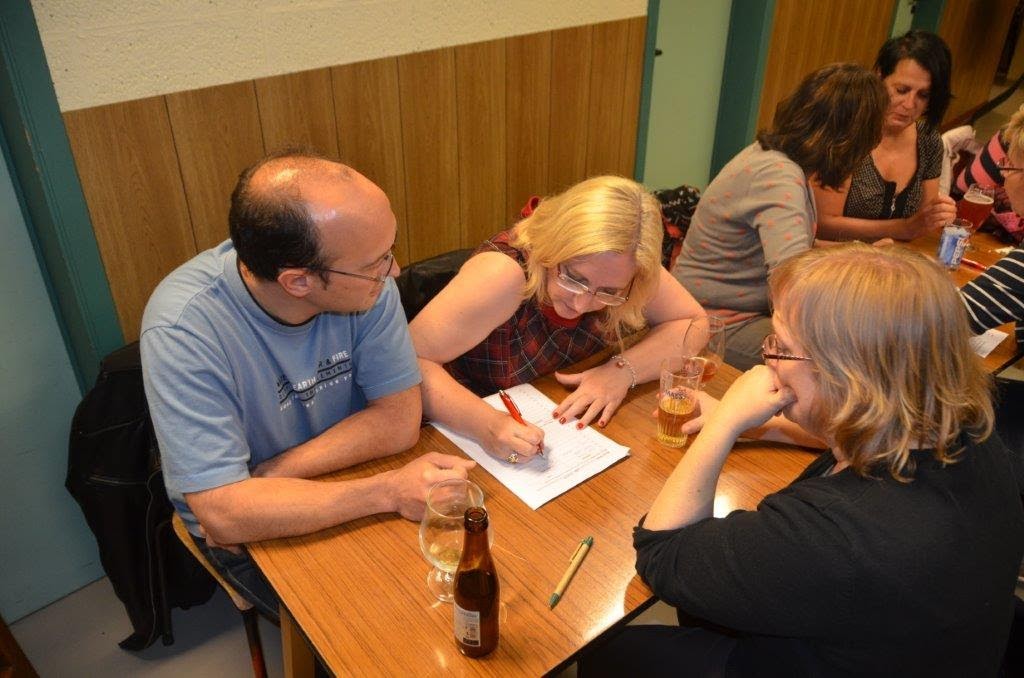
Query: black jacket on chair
x=114, y=475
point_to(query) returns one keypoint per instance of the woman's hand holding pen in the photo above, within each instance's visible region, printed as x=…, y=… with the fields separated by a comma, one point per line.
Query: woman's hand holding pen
x=599, y=392
x=504, y=436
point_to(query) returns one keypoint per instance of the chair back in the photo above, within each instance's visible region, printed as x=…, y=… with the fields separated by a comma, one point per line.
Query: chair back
x=419, y=282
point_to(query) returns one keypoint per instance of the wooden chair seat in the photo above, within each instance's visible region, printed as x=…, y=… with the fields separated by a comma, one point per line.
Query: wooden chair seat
x=250, y=617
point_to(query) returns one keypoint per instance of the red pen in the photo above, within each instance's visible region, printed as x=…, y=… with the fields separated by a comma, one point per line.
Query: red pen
x=514, y=412
x=976, y=265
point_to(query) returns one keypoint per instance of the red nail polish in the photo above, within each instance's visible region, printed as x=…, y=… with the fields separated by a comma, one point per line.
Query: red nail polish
x=579, y=425
x=601, y=424
x=562, y=420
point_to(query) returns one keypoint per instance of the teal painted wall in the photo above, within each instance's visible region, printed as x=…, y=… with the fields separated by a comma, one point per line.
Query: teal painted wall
x=902, y=18
x=46, y=550
x=692, y=35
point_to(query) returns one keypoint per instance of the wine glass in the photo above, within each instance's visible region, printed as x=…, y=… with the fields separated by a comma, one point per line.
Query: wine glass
x=441, y=531
x=705, y=340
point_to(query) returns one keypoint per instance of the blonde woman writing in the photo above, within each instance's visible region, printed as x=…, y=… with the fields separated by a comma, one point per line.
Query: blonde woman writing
x=579, y=271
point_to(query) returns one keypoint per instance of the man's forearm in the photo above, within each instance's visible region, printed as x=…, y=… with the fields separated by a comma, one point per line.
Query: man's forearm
x=264, y=508
x=385, y=427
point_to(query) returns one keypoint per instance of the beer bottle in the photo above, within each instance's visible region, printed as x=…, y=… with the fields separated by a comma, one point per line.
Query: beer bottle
x=476, y=589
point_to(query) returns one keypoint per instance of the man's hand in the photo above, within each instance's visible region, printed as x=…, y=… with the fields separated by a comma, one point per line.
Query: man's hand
x=408, y=485
x=599, y=392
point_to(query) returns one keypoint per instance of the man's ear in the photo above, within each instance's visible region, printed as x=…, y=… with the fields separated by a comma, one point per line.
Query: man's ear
x=297, y=282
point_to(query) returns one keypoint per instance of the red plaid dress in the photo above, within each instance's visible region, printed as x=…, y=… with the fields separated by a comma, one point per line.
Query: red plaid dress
x=534, y=342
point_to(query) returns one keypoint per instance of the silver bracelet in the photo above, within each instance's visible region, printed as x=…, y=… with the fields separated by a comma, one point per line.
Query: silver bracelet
x=620, y=362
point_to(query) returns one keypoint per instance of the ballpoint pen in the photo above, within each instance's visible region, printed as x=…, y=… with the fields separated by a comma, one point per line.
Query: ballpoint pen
x=976, y=265
x=574, y=564
x=514, y=412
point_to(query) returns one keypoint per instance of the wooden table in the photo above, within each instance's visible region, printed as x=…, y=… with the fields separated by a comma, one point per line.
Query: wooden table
x=358, y=591
x=984, y=253
x=358, y=594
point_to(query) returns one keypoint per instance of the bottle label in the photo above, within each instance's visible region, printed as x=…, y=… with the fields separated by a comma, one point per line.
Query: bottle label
x=467, y=626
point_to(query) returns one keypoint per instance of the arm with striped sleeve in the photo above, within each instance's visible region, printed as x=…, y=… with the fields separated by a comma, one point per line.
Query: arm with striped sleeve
x=997, y=296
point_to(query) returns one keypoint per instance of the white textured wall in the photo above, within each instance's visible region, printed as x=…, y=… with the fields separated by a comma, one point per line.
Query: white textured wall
x=103, y=51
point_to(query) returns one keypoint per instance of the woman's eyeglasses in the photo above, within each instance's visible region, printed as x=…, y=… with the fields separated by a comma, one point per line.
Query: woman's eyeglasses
x=570, y=284
x=1005, y=166
x=770, y=351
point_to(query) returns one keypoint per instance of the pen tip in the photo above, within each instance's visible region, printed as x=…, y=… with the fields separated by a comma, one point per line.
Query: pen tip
x=553, y=601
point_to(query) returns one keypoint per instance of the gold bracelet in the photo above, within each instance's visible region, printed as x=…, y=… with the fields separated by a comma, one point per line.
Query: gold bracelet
x=620, y=362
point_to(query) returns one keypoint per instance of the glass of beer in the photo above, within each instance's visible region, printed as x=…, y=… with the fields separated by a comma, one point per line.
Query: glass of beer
x=441, y=531
x=677, y=400
x=976, y=205
x=705, y=340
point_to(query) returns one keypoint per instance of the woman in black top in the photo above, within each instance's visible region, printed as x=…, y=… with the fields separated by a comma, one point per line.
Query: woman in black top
x=894, y=193
x=896, y=551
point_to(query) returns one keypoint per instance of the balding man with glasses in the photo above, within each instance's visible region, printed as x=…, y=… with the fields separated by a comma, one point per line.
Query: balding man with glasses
x=281, y=355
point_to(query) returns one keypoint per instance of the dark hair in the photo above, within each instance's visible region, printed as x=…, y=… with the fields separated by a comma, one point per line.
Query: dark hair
x=830, y=123
x=932, y=53
x=272, y=229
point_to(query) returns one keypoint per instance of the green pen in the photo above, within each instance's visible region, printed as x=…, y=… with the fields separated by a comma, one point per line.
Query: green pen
x=574, y=564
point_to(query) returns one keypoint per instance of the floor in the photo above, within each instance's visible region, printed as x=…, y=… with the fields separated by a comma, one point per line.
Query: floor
x=78, y=635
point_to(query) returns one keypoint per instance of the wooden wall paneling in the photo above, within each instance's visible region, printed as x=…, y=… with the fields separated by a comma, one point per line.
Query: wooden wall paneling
x=426, y=82
x=216, y=135
x=806, y=36
x=570, y=106
x=129, y=171
x=607, y=80
x=297, y=109
x=528, y=118
x=634, y=62
x=368, y=116
x=975, y=32
x=480, y=96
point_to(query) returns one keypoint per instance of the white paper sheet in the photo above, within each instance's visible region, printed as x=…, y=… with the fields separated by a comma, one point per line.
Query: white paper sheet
x=570, y=455
x=983, y=344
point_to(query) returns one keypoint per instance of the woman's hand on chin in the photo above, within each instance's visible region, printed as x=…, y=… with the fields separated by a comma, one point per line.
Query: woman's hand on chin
x=753, y=399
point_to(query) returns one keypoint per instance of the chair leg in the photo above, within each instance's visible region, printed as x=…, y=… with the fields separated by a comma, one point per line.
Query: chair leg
x=251, y=619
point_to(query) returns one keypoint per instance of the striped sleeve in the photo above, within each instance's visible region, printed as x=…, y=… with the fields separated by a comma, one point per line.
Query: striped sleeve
x=997, y=296
x=984, y=169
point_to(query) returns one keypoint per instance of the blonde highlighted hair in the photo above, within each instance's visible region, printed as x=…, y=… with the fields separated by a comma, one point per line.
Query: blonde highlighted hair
x=1013, y=135
x=598, y=215
x=888, y=335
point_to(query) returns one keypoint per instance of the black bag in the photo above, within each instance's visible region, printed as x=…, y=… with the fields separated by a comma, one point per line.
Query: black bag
x=418, y=283
x=677, y=208
x=114, y=475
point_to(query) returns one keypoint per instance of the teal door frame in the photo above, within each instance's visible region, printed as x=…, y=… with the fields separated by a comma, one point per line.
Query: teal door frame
x=36, y=149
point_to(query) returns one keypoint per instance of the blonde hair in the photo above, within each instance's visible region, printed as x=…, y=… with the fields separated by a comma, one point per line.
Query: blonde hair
x=888, y=335
x=598, y=215
x=1013, y=135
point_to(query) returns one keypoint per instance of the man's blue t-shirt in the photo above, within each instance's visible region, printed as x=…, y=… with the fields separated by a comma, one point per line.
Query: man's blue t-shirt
x=230, y=387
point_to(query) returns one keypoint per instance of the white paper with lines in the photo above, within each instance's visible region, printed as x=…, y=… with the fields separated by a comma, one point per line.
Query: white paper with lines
x=570, y=455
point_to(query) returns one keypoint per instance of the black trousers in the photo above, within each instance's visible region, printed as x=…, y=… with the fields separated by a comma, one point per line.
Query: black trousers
x=660, y=651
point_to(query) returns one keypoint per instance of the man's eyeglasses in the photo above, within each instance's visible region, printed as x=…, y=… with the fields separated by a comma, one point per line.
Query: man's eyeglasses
x=389, y=258
x=770, y=351
x=570, y=284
